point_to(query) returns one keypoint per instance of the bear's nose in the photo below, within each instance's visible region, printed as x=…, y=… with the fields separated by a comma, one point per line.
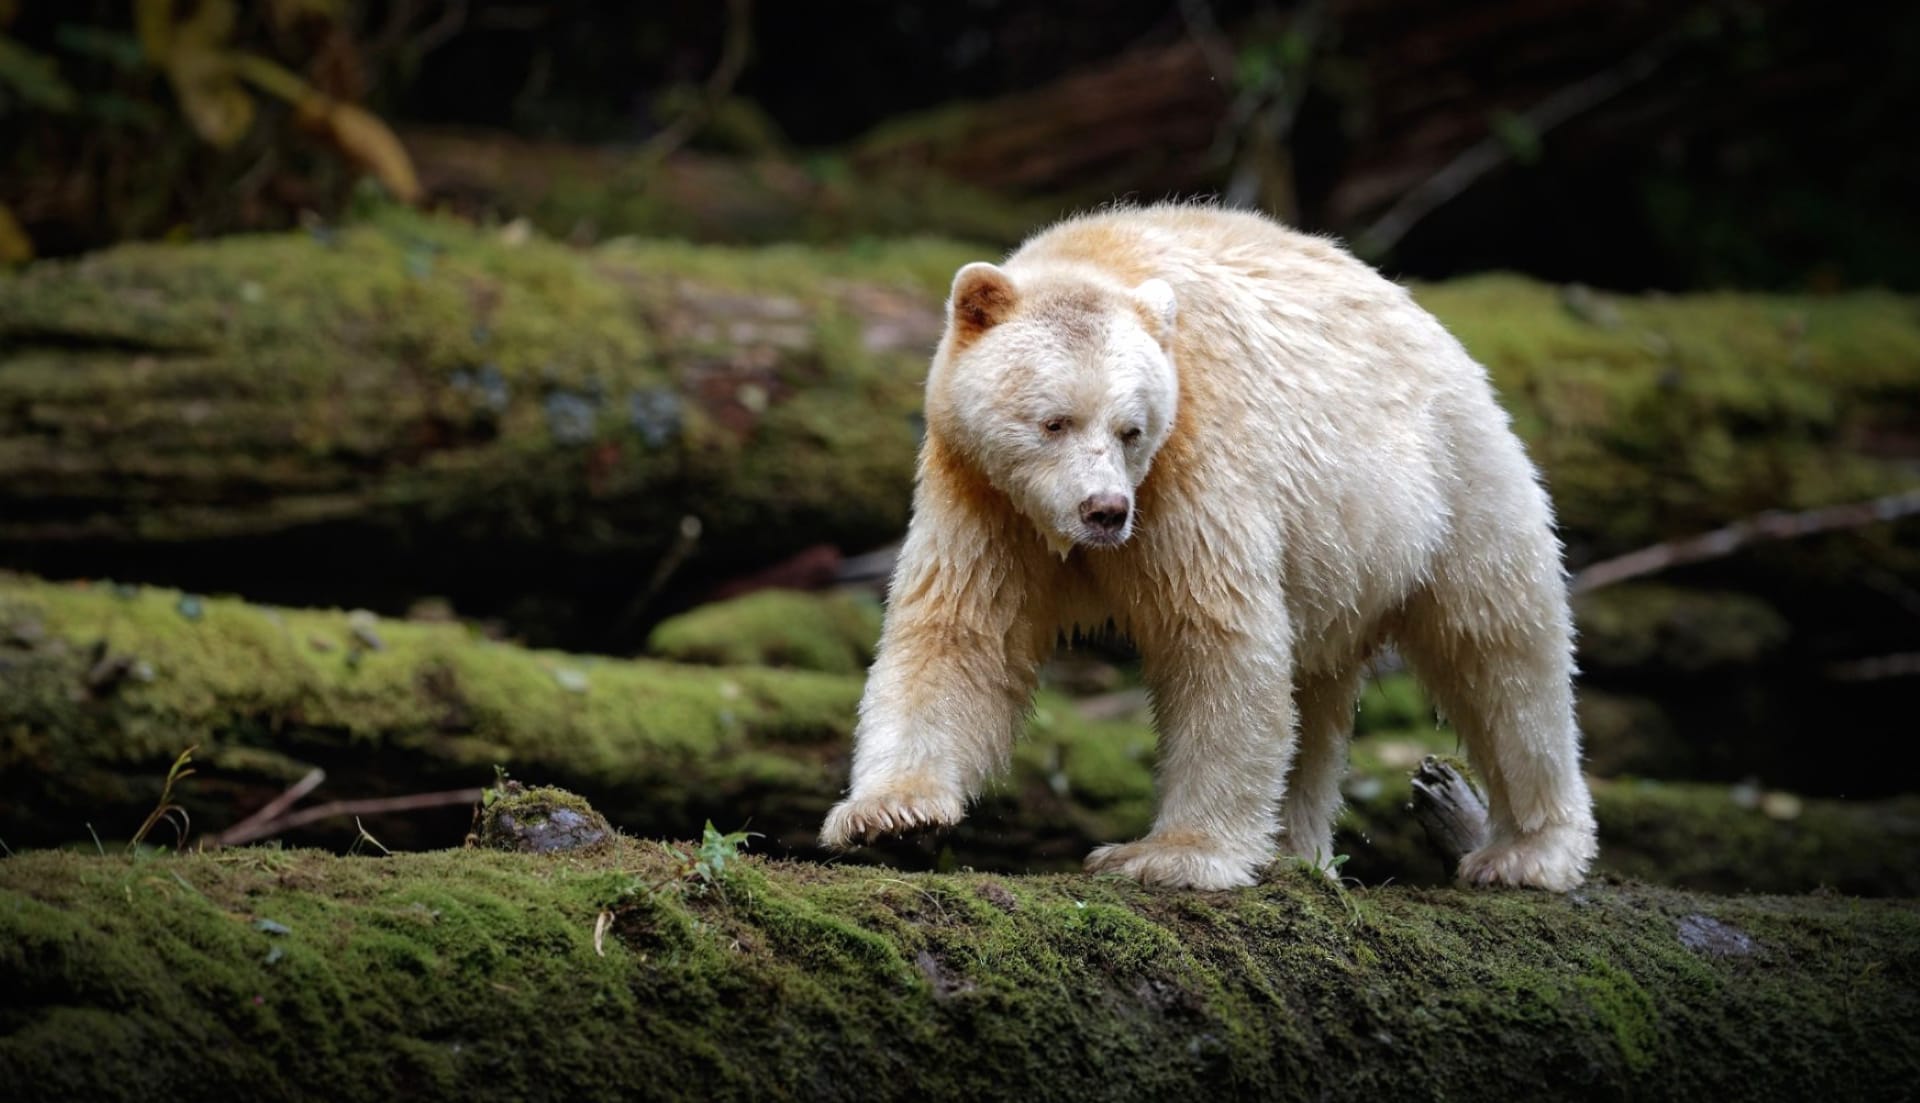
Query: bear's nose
x=1106, y=511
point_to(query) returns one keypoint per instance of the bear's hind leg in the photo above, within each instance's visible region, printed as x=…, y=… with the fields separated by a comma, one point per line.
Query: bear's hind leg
x=1325, y=704
x=1499, y=664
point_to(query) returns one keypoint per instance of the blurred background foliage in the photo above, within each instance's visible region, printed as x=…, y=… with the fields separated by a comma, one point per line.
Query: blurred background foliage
x=1757, y=143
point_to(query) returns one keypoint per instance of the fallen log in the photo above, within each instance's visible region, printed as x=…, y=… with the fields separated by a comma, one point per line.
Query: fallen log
x=418, y=408
x=641, y=971
x=409, y=407
x=101, y=688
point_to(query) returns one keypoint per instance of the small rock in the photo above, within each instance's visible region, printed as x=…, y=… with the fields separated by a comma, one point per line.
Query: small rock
x=753, y=396
x=1746, y=793
x=541, y=820
x=190, y=607
x=1590, y=306
x=361, y=624
x=1704, y=934
x=1364, y=787
x=571, y=679
x=995, y=893
x=1781, y=806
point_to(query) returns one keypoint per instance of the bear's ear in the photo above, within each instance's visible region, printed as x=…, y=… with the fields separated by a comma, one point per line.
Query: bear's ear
x=1157, y=296
x=983, y=296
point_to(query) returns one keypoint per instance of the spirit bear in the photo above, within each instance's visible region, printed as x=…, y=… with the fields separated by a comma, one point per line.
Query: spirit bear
x=1260, y=461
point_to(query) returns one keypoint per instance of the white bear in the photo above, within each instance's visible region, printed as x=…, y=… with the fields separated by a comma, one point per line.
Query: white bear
x=1261, y=461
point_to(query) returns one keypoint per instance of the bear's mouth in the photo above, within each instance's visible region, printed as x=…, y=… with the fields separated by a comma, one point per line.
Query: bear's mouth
x=1091, y=536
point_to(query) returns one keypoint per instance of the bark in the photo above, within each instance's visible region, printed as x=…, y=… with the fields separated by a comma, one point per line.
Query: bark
x=642, y=973
x=102, y=687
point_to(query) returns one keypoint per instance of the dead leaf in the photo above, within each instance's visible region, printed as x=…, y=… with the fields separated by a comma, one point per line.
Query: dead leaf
x=366, y=141
x=15, y=246
x=218, y=108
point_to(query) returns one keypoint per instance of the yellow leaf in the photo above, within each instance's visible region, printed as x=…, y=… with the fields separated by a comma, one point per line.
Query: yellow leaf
x=216, y=105
x=153, y=20
x=15, y=246
x=208, y=28
x=364, y=140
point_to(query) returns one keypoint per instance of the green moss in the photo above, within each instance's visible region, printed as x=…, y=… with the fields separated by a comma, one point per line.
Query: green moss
x=412, y=376
x=832, y=633
x=463, y=971
x=1393, y=703
x=1658, y=416
x=1624, y=1009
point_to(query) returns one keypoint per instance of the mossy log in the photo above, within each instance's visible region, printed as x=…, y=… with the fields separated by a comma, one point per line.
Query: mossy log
x=643, y=973
x=102, y=686
x=412, y=407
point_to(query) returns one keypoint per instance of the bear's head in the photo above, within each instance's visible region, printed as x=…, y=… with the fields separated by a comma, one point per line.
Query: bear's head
x=1058, y=385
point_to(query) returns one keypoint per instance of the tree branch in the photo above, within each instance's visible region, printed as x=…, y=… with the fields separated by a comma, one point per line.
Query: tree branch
x=1724, y=541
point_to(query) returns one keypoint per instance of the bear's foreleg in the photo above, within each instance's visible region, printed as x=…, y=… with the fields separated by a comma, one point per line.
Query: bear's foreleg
x=1224, y=703
x=946, y=696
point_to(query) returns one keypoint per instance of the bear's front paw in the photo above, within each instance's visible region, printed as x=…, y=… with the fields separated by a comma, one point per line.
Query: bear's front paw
x=1178, y=860
x=1553, y=858
x=892, y=809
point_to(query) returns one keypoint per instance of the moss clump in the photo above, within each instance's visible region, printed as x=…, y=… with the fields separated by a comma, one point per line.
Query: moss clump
x=538, y=820
x=830, y=633
x=272, y=972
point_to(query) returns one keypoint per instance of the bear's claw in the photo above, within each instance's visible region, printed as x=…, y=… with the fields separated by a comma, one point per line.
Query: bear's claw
x=892, y=811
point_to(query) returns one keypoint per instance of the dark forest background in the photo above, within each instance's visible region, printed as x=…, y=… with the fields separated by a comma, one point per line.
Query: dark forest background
x=1630, y=145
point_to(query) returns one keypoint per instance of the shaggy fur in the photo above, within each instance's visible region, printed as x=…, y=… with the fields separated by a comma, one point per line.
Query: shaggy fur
x=1309, y=466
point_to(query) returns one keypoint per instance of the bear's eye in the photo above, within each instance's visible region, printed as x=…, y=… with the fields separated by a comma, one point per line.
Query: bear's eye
x=1130, y=435
x=1054, y=425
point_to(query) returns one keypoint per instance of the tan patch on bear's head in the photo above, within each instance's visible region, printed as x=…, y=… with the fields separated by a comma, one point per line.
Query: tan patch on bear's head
x=983, y=297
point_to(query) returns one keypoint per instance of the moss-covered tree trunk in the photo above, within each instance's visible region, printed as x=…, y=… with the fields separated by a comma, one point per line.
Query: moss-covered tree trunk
x=102, y=687
x=636, y=974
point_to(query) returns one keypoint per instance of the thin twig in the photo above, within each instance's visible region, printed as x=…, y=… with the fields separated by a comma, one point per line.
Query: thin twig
x=272, y=810
x=332, y=809
x=1724, y=541
x=733, y=60
x=1492, y=151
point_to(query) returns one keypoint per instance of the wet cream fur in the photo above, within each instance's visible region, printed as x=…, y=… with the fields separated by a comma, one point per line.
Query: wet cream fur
x=1315, y=468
